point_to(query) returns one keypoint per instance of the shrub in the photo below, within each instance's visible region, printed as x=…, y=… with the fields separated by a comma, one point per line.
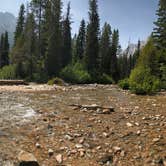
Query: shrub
x=40, y=77
x=75, y=73
x=105, y=79
x=142, y=82
x=8, y=72
x=124, y=84
x=56, y=81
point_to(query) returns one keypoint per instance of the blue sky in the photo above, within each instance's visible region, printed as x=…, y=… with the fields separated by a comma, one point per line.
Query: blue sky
x=133, y=18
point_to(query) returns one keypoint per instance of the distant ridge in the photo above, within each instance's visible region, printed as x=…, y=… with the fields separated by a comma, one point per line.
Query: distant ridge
x=8, y=23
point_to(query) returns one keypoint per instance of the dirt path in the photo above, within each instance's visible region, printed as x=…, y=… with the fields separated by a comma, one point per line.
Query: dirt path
x=133, y=135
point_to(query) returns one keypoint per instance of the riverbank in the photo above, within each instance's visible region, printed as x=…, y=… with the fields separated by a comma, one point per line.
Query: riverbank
x=58, y=134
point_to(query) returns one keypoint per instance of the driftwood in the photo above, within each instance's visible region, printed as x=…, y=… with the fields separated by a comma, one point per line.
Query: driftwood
x=13, y=82
x=94, y=107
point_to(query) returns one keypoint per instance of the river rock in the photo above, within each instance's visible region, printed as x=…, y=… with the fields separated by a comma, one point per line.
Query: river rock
x=27, y=159
x=59, y=158
x=38, y=145
x=117, y=149
x=68, y=137
x=78, y=146
x=50, y=152
x=108, y=111
x=129, y=124
x=106, y=159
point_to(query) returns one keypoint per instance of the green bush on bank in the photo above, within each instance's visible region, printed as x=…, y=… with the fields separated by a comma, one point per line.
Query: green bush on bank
x=8, y=72
x=105, y=79
x=142, y=82
x=124, y=84
x=75, y=73
x=56, y=81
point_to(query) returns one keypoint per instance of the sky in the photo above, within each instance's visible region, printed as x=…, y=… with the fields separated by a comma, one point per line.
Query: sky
x=133, y=18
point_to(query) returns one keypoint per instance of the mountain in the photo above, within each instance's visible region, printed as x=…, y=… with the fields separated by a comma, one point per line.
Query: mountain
x=130, y=50
x=8, y=23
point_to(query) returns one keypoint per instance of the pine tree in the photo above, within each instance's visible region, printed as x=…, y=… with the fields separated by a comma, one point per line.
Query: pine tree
x=136, y=54
x=54, y=48
x=80, y=42
x=4, y=50
x=1, y=50
x=45, y=27
x=105, y=53
x=160, y=29
x=67, y=52
x=29, y=47
x=74, y=53
x=20, y=24
x=38, y=7
x=159, y=36
x=114, y=50
x=92, y=39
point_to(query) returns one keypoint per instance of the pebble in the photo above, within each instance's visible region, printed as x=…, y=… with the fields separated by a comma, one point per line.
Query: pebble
x=138, y=132
x=82, y=141
x=68, y=137
x=50, y=152
x=156, y=139
x=82, y=153
x=106, y=135
x=129, y=124
x=78, y=146
x=38, y=145
x=59, y=159
x=98, y=147
x=137, y=124
x=116, y=149
x=122, y=154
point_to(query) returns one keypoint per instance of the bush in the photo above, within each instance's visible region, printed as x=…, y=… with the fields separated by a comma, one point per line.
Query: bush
x=142, y=82
x=8, y=72
x=75, y=73
x=56, y=81
x=40, y=77
x=124, y=84
x=105, y=79
x=163, y=76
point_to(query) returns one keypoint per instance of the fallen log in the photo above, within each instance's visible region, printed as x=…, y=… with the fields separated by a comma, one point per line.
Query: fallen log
x=94, y=107
x=13, y=82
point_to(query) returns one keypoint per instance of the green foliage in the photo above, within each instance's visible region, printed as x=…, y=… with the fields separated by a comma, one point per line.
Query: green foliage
x=20, y=24
x=124, y=84
x=4, y=50
x=105, y=53
x=75, y=73
x=105, y=79
x=54, y=45
x=56, y=81
x=80, y=42
x=163, y=76
x=142, y=82
x=149, y=57
x=159, y=33
x=8, y=72
x=92, y=39
x=67, y=45
x=114, y=50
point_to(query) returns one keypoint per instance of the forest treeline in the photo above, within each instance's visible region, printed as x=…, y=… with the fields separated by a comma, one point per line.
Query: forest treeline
x=44, y=48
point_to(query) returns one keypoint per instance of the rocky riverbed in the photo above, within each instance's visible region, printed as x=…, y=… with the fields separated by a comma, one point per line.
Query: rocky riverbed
x=40, y=123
